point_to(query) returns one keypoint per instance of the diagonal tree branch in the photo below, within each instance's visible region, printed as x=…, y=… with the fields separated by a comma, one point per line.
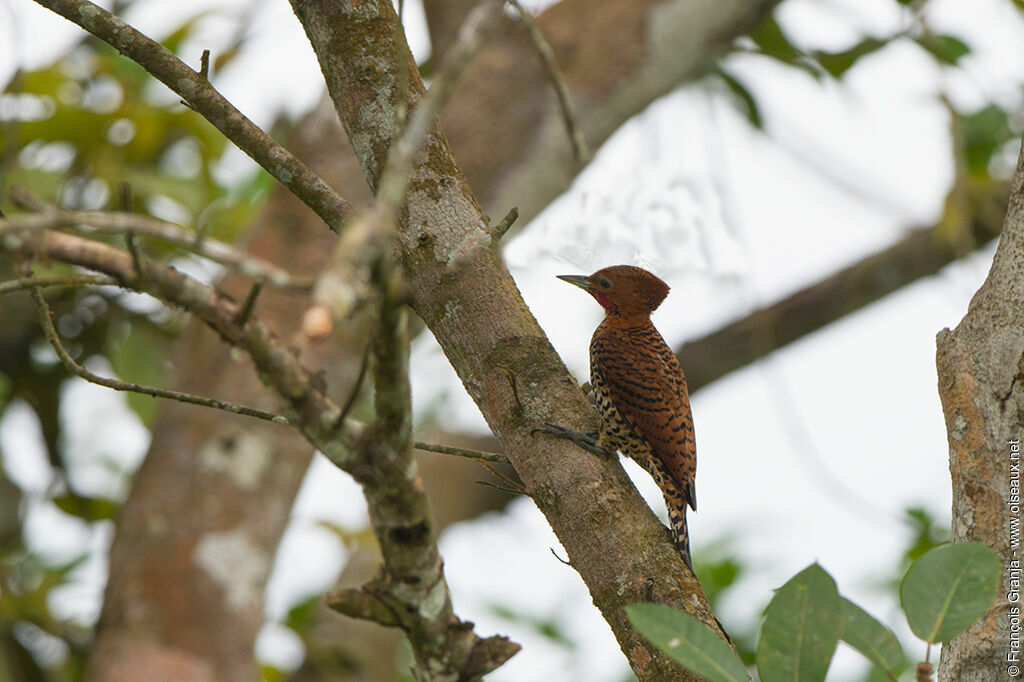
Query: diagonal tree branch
x=200, y=94
x=469, y=301
x=921, y=253
x=99, y=222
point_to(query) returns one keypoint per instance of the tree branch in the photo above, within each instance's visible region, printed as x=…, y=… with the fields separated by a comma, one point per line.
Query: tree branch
x=306, y=405
x=200, y=95
x=69, y=362
x=410, y=590
x=557, y=79
x=919, y=254
x=63, y=281
x=469, y=301
x=97, y=222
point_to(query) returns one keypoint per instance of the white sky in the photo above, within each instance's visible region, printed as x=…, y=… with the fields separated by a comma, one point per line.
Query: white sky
x=810, y=455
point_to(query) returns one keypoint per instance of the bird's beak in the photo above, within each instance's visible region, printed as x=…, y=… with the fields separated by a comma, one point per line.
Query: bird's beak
x=578, y=280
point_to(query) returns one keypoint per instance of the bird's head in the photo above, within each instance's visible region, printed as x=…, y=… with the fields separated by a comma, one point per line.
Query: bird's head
x=622, y=290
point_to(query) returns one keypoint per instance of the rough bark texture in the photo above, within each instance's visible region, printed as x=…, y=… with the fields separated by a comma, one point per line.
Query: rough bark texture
x=470, y=303
x=981, y=383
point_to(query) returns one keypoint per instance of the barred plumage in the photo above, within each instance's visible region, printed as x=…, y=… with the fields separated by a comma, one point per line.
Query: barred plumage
x=640, y=390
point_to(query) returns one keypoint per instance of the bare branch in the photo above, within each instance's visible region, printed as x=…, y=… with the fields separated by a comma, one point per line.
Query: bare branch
x=410, y=590
x=199, y=93
x=69, y=362
x=498, y=231
x=496, y=457
x=459, y=287
x=65, y=281
x=411, y=583
x=565, y=105
x=922, y=252
x=133, y=225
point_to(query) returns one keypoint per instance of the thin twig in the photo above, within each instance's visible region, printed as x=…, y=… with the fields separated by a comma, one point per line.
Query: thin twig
x=65, y=281
x=496, y=457
x=307, y=405
x=249, y=304
x=515, y=486
x=353, y=395
x=125, y=196
x=45, y=319
x=394, y=179
x=565, y=105
x=204, y=65
x=498, y=231
x=194, y=88
x=98, y=222
x=502, y=488
x=133, y=248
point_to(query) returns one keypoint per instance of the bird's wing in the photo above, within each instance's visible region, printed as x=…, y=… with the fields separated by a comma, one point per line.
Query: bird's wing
x=648, y=388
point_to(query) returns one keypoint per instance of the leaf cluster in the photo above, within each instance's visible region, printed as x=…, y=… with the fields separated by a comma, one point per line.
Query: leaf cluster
x=944, y=593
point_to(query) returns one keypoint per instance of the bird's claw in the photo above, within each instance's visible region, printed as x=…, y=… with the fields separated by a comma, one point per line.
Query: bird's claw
x=586, y=440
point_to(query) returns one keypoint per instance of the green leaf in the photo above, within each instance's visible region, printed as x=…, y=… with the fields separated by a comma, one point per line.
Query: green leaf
x=949, y=588
x=984, y=132
x=141, y=358
x=178, y=36
x=801, y=628
x=745, y=100
x=946, y=49
x=87, y=508
x=871, y=638
x=688, y=641
x=770, y=37
x=838, y=63
x=928, y=533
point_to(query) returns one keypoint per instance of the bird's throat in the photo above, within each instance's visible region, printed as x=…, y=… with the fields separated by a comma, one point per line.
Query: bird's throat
x=605, y=302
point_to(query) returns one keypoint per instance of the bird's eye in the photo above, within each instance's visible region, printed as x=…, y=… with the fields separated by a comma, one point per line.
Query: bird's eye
x=604, y=282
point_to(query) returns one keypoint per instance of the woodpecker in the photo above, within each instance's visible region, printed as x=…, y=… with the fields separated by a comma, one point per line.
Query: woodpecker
x=640, y=390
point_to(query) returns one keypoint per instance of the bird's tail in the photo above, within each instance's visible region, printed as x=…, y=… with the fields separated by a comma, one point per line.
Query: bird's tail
x=681, y=536
x=680, y=532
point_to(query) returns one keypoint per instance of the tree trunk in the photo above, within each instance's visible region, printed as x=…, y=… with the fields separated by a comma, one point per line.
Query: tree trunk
x=981, y=384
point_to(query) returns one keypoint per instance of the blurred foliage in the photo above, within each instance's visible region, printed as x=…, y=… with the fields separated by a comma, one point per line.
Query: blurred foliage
x=720, y=570
x=92, y=131
x=547, y=627
x=984, y=141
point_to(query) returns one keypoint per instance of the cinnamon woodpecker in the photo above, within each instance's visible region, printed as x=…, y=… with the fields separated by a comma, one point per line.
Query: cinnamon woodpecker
x=640, y=390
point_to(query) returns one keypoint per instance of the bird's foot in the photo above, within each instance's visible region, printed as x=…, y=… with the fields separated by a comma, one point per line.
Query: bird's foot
x=586, y=440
